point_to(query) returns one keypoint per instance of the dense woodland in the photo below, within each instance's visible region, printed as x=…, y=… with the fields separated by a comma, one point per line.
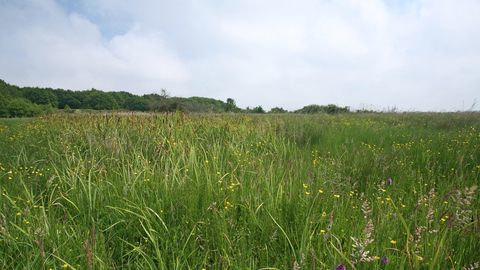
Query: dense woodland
x=32, y=101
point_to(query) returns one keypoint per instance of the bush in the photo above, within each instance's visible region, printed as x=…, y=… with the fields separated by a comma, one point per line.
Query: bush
x=329, y=109
x=277, y=110
x=258, y=109
x=3, y=106
x=20, y=107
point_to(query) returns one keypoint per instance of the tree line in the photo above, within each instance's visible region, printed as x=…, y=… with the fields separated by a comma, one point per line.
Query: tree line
x=32, y=101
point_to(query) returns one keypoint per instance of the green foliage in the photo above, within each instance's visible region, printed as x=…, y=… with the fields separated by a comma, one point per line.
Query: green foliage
x=10, y=91
x=231, y=105
x=3, y=107
x=329, y=109
x=68, y=97
x=136, y=103
x=164, y=103
x=277, y=110
x=240, y=192
x=41, y=96
x=20, y=107
x=204, y=105
x=99, y=100
x=258, y=109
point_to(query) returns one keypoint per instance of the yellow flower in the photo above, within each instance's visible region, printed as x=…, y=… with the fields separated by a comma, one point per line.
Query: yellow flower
x=322, y=231
x=320, y=191
x=338, y=196
x=393, y=242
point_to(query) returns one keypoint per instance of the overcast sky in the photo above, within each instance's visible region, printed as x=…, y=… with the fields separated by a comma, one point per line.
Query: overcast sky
x=410, y=54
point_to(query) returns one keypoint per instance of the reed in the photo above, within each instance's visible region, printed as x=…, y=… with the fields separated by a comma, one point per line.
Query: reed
x=176, y=191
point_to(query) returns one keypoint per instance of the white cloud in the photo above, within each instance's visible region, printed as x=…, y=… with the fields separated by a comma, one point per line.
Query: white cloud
x=421, y=54
x=68, y=51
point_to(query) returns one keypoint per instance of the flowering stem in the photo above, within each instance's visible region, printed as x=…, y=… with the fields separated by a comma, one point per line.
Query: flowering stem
x=406, y=229
x=286, y=236
x=432, y=266
x=341, y=254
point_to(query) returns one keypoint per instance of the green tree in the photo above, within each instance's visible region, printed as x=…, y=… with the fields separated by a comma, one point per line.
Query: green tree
x=164, y=103
x=3, y=106
x=10, y=91
x=136, y=103
x=99, y=100
x=277, y=110
x=231, y=105
x=20, y=107
x=40, y=95
x=258, y=109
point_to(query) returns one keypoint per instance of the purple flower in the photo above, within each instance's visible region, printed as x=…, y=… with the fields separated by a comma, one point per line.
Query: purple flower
x=384, y=260
x=389, y=182
x=340, y=267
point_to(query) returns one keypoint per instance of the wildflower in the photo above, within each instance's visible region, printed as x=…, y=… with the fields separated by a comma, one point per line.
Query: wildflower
x=389, y=182
x=384, y=260
x=340, y=267
x=321, y=191
x=393, y=242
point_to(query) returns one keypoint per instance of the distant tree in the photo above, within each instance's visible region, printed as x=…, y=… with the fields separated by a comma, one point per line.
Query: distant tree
x=160, y=102
x=202, y=104
x=277, y=110
x=99, y=100
x=121, y=97
x=136, y=103
x=312, y=109
x=10, y=91
x=330, y=109
x=231, y=105
x=20, y=107
x=258, y=109
x=40, y=95
x=3, y=107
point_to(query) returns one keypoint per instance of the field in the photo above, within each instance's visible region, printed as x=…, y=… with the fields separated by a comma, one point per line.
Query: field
x=362, y=191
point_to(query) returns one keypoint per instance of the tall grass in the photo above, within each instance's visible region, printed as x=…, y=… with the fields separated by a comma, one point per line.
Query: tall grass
x=235, y=192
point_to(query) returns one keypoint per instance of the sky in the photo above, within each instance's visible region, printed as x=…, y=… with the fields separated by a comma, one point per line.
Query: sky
x=409, y=55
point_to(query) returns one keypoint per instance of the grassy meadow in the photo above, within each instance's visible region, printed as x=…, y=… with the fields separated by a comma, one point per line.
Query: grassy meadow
x=364, y=191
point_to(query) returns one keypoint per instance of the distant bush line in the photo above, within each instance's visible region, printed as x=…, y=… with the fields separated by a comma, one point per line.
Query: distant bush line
x=33, y=101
